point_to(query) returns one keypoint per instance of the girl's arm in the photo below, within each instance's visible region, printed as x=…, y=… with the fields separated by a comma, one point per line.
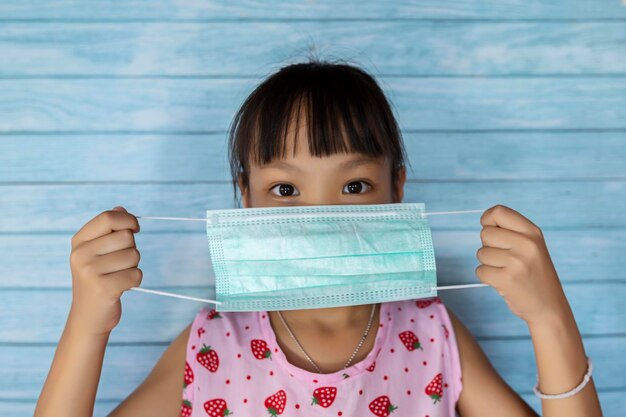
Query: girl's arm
x=484, y=393
x=516, y=262
x=160, y=394
x=561, y=365
x=70, y=388
x=103, y=262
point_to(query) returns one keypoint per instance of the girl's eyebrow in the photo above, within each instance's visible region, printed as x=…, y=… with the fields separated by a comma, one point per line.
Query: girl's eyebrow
x=352, y=163
x=282, y=165
x=359, y=161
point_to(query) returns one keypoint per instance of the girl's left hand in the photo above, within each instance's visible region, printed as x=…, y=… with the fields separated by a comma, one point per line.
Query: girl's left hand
x=515, y=261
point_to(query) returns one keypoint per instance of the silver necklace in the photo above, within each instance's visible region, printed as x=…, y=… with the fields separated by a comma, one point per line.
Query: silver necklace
x=369, y=324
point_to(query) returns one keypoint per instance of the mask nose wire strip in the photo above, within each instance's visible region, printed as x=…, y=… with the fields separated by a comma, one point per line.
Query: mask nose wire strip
x=204, y=300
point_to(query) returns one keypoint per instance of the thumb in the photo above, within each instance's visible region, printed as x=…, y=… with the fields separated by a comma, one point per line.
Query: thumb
x=120, y=208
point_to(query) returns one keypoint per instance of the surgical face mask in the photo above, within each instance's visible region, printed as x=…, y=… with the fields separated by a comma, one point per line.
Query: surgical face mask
x=299, y=257
x=302, y=257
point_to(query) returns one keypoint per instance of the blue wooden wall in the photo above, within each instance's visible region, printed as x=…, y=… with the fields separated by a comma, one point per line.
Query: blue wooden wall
x=102, y=103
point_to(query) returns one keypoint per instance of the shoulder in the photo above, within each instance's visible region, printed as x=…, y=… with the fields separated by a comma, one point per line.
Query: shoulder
x=471, y=355
x=482, y=384
x=159, y=392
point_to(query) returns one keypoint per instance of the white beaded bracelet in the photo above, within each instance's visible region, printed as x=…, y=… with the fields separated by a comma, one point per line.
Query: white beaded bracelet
x=565, y=394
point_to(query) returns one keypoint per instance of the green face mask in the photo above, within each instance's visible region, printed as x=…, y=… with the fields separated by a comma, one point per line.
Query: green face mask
x=300, y=257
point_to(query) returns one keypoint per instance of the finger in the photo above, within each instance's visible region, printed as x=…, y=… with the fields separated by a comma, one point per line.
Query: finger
x=120, y=281
x=117, y=261
x=118, y=240
x=498, y=237
x=490, y=275
x=104, y=223
x=507, y=218
x=493, y=256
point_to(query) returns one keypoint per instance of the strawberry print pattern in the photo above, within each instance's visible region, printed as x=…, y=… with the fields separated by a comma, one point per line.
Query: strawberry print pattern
x=208, y=358
x=382, y=406
x=324, y=396
x=185, y=409
x=275, y=404
x=235, y=366
x=435, y=388
x=259, y=349
x=216, y=407
x=213, y=315
x=410, y=341
x=445, y=331
x=188, y=375
x=426, y=303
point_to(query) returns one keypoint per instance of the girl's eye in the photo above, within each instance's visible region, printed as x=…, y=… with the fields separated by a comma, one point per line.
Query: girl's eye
x=356, y=187
x=284, y=190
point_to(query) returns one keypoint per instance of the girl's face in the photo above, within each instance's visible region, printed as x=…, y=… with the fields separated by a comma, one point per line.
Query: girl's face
x=304, y=179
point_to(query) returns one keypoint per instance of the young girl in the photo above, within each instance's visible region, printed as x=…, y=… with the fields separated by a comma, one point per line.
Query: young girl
x=321, y=133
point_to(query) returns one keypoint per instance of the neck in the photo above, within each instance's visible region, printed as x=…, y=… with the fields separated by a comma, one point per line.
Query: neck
x=328, y=320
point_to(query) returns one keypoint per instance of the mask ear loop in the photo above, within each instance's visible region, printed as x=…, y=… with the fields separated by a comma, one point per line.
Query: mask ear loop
x=169, y=294
x=450, y=287
x=205, y=300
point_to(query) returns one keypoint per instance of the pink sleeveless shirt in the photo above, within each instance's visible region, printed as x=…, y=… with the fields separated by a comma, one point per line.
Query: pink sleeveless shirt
x=235, y=366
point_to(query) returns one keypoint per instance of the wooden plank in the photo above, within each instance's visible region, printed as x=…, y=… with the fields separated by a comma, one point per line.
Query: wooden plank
x=465, y=156
x=477, y=308
x=353, y=9
x=202, y=105
x=485, y=312
x=446, y=48
x=24, y=368
x=170, y=259
x=550, y=205
x=47, y=323
x=182, y=259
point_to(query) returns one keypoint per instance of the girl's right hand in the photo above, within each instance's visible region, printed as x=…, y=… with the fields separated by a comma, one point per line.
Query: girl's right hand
x=104, y=262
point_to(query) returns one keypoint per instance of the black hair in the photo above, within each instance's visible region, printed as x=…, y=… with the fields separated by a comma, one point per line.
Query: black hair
x=346, y=111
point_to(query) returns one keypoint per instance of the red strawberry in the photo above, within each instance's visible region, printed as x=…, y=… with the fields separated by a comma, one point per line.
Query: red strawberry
x=217, y=407
x=423, y=303
x=200, y=331
x=213, y=315
x=275, y=403
x=410, y=341
x=382, y=406
x=426, y=303
x=445, y=329
x=324, y=396
x=185, y=409
x=260, y=349
x=208, y=358
x=371, y=367
x=188, y=375
x=434, y=388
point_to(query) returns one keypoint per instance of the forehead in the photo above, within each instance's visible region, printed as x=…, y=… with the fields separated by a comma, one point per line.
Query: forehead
x=297, y=154
x=309, y=133
x=296, y=143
